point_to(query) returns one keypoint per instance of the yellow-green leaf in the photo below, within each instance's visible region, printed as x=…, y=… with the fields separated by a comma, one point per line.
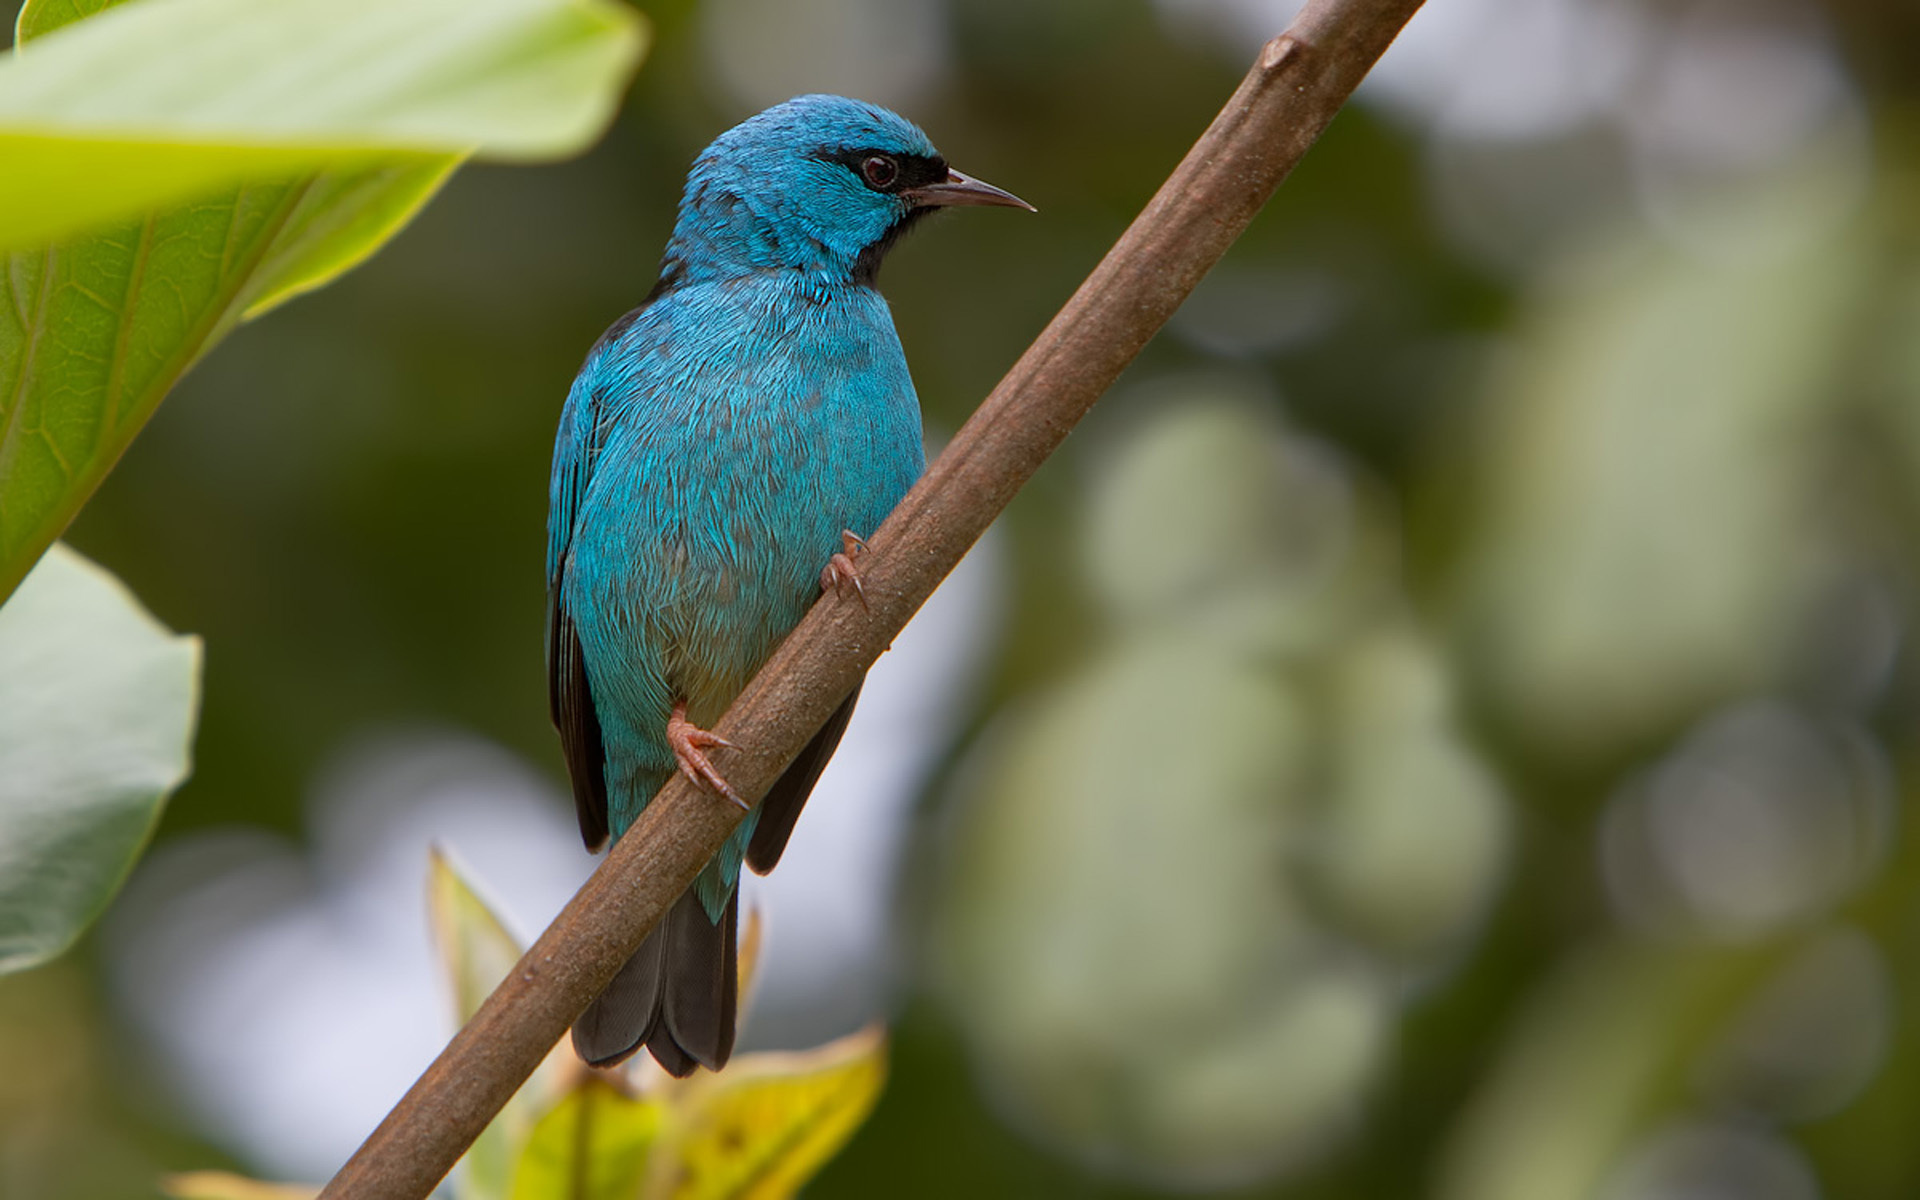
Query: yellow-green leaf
x=748, y=959
x=39, y=17
x=474, y=945
x=221, y=1185
x=478, y=951
x=767, y=1124
x=593, y=1145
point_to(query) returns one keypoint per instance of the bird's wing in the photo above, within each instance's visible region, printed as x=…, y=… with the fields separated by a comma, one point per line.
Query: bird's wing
x=572, y=706
x=583, y=430
x=788, y=795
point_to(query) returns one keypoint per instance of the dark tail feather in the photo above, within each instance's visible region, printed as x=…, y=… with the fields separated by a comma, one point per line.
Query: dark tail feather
x=627, y=1014
x=676, y=996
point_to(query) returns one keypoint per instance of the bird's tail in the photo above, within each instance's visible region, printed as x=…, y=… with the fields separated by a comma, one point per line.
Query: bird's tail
x=675, y=996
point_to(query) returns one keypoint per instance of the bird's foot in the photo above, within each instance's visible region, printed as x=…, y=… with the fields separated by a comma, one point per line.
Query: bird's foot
x=690, y=744
x=840, y=575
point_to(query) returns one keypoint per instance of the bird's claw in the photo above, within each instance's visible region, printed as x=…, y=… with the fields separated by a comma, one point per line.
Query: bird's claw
x=840, y=575
x=690, y=743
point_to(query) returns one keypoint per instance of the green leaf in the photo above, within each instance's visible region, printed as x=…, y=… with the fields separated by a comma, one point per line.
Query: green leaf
x=767, y=1124
x=475, y=946
x=36, y=19
x=295, y=183
x=97, y=705
x=593, y=1145
x=247, y=92
x=478, y=951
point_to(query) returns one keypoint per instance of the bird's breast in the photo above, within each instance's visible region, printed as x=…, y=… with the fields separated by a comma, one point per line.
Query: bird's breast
x=771, y=423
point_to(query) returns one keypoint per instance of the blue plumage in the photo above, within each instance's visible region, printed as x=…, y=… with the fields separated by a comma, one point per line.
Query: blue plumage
x=714, y=447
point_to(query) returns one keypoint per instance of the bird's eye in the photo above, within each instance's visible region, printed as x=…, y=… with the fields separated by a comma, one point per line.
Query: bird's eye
x=880, y=171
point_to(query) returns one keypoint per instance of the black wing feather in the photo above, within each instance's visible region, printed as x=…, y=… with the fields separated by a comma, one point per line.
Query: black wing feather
x=571, y=702
x=784, y=800
x=569, y=694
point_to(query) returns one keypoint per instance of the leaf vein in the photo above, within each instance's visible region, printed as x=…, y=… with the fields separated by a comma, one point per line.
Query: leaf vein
x=16, y=291
x=233, y=228
x=53, y=448
x=123, y=336
x=30, y=338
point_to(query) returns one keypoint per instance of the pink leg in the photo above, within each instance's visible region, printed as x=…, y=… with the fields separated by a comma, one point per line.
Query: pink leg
x=840, y=575
x=690, y=742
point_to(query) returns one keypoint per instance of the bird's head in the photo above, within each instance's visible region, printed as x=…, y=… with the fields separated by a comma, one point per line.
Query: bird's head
x=820, y=184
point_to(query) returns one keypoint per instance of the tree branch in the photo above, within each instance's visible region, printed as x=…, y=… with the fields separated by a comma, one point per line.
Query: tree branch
x=1299, y=81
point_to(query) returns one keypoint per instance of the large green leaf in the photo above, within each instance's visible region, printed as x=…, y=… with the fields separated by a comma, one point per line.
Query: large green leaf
x=307, y=134
x=247, y=91
x=97, y=706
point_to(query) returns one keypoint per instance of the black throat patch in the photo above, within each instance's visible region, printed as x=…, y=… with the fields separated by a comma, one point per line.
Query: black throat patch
x=866, y=268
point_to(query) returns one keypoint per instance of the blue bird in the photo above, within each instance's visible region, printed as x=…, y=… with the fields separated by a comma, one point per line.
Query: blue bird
x=721, y=453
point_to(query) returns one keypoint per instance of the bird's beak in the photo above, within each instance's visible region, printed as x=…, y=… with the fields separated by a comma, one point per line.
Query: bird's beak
x=960, y=189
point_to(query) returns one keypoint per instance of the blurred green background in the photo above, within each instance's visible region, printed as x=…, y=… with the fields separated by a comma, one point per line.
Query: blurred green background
x=1452, y=728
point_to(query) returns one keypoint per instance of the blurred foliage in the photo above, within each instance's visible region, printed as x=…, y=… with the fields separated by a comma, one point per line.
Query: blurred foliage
x=1265, y=721
x=67, y=1106
x=99, y=702
x=1562, y=519
x=1619, y=454
x=238, y=183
